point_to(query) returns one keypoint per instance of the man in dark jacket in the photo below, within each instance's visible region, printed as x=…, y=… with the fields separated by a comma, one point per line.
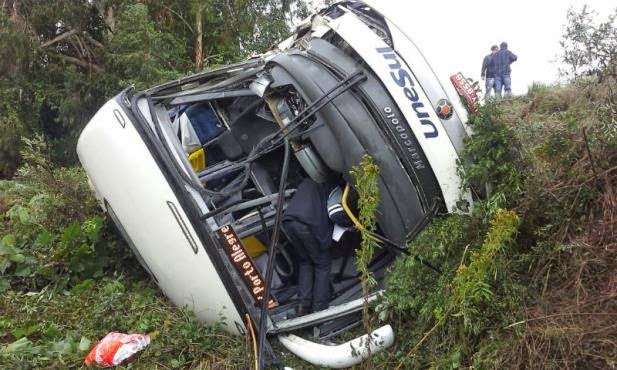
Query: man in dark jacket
x=501, y=63
x=488, y=74
x=308, y=223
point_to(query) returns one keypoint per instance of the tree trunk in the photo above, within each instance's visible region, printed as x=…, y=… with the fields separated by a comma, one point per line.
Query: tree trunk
x=110, y=20
x=6, y=5
x=199, y=48
x=106, y=11
x=12, y=9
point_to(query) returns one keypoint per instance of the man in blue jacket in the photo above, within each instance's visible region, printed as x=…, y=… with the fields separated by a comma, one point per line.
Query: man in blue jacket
x=488, y=73
x=501, y=65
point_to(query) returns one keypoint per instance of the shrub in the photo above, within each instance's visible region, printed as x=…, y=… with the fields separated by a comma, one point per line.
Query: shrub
x=53, y=230
x=589, y=47
x=444, y=317
x=496, y=159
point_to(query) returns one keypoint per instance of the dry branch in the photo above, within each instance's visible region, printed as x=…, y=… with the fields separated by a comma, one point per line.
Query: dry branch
x=93, y=41
x=59, y=38
x=78, y=62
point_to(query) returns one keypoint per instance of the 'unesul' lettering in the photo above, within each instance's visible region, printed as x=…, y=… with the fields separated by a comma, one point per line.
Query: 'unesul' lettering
x=403, y=79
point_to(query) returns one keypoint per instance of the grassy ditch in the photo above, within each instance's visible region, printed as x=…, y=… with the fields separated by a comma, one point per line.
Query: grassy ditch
x=528, y=278
x=67, y=280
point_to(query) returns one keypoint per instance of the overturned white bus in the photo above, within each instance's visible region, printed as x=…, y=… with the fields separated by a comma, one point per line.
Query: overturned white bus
x=190, y=171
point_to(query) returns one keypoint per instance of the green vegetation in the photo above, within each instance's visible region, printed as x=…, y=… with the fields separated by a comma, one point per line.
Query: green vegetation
x=61, y=60
x=365, y=176
x=67, y=280
x=56, y=329
x=528, y=278
x=66, y=277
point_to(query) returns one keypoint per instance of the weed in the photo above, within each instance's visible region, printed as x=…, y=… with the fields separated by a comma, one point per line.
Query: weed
x=365, y=175
x=453, y=311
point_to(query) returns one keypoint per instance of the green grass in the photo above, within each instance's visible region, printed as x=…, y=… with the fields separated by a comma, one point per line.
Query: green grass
x=527, y=277
x=67, y=279
x=55, y=329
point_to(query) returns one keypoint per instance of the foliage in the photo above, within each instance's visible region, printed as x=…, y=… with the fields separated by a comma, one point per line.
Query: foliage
x=53, y=231
x=63, y=59
x=63, y=286
x=444, y=240
x=550, y=157
x=365, y=175
x=15, y=58
x=140, y=54
x=443, y=317
x=11, y=129
x=496, y=161
x=471, y=285
x=589, y=47
x=568, y=228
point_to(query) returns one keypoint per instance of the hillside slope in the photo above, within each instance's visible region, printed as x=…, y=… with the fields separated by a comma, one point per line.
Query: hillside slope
x=529, y=279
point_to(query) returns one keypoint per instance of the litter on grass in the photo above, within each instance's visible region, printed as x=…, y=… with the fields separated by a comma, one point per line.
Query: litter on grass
x=115, y=348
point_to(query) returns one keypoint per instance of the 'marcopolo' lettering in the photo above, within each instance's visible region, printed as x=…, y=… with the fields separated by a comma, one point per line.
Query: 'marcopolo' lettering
x=402, y=78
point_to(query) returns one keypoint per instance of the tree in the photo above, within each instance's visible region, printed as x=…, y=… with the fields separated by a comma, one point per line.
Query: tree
x=139, y=53
x=63, y=59
x=590, y=47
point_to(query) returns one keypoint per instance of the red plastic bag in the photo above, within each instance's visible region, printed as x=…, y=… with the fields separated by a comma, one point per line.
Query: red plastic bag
x=115, y=348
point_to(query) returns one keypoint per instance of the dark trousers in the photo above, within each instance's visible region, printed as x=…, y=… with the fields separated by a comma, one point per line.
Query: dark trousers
x=314, y=267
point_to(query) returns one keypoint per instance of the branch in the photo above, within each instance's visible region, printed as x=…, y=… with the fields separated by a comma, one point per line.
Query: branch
x=181, y=18
x=593, y=167
x=92, y=40
x=560, y=315
x=80, y=51
x=59, y=38
x=85, y=49
x=78, y=62
x=426, y=335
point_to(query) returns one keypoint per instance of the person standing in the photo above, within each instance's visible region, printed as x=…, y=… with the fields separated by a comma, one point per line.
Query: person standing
x=501, y=64
x=488, y=73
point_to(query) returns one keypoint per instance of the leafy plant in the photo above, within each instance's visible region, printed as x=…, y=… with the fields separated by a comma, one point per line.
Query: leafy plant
x=589, y=47
x=366, y=175
x=496, y=160
x=467, y=300
x=53, y=230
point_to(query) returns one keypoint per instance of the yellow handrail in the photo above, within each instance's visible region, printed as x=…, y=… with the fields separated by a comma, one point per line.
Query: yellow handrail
x=353, y=218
